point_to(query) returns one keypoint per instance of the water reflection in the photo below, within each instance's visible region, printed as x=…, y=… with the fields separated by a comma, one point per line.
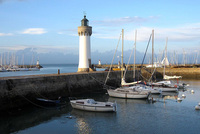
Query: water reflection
x=28, y=118
x=121, y=100
x=87, y=122
x=83, y=126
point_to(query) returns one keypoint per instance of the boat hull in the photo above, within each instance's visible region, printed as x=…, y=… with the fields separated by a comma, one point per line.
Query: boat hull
x=126, y=95
x=166, y=89
x=94, y=107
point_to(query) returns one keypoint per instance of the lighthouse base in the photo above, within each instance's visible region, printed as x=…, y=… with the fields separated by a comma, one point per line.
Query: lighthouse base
x=83, y=69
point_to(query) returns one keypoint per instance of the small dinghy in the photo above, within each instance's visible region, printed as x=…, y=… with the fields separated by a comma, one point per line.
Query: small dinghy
x=48, y=102
x=179, y=99
x=92, y=105
x=197, y=107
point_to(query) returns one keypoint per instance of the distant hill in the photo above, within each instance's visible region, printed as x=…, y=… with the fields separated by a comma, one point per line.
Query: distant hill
x=31, y=56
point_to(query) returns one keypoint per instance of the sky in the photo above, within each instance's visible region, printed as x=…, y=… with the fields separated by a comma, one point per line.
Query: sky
x=52, y=25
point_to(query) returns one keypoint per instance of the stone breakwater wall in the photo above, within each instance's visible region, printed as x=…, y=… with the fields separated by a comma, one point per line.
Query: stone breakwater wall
x=186, y=73
x=15, y=92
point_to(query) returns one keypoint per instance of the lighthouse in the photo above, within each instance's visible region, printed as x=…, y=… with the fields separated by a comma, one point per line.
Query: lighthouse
x=84, y=32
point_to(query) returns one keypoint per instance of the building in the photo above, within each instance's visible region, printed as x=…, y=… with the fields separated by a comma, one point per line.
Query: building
x=84, y=32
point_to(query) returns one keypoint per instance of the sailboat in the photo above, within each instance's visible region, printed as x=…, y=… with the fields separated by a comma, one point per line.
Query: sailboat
x=127, y=92
x=165, y=61
x=166, y=85
x=142, y=86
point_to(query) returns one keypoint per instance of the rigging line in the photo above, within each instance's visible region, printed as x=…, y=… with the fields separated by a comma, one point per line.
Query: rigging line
x=152, y=74
x=112, y=60
x=143, y=77
x=145, y=53
x=34, y=103
x=128, y=61
x=102, y=83
x=159, y=59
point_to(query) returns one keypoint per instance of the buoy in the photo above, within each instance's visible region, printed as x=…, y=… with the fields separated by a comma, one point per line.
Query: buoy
x=69, y=117
x=183, y=96
x=197, y=107
x=192, y=91
x=199, y=103
x=179, y=99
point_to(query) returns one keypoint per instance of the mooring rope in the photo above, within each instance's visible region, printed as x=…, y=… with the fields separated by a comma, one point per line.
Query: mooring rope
x=101, y=83
x=38, y=93
x=129, y=61
x=28, y=99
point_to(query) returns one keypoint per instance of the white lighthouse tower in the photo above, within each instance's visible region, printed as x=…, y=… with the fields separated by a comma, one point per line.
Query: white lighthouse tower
x=84, y=32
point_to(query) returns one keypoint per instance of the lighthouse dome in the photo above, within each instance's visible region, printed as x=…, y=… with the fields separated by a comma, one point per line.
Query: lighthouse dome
x=84, y=21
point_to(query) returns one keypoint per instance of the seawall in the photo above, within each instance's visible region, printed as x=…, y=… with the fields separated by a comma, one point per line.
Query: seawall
x=186, y=73
x=15, y=92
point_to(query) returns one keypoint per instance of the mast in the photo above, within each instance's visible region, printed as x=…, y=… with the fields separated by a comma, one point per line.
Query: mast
x=122, y=53
x=165, y=57
x=134, y=55
x=23, y=60
x=152, y=53
x=1, y=60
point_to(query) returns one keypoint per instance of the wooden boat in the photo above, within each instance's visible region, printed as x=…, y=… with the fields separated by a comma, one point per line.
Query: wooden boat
x=92, y=105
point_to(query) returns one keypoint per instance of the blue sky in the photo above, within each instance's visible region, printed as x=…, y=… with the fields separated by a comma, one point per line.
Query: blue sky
x=51, y=25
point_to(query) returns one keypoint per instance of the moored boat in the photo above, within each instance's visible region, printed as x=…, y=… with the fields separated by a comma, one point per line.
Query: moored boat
x=47, y=102
x=152, y=90
x=165, y=86
x=92, y=105
x=128, y=93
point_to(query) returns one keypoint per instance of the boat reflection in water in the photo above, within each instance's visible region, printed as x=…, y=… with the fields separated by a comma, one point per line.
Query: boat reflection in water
x=133, y=101
x=87, y=120
x=83, y=126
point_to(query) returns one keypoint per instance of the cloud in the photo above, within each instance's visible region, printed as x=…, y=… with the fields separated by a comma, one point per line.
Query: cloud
x=34, y=31
x=124, y=21
x=181, y=33
x=11, y=48
x=185, y=32
x=6, y=34
x=53, y=49
x=41, y=49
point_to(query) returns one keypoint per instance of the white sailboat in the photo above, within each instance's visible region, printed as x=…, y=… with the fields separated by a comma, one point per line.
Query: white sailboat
x=127, y=92
x=166, y=85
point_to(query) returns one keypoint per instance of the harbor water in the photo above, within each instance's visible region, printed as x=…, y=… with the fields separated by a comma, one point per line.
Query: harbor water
x=47, y=69
x=165, y=115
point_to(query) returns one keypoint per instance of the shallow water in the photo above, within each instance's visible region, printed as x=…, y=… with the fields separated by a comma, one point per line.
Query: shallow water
x=166, y=116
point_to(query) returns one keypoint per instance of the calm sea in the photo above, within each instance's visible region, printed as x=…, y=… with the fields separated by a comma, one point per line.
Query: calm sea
x=47, y=69
x=165, y=116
